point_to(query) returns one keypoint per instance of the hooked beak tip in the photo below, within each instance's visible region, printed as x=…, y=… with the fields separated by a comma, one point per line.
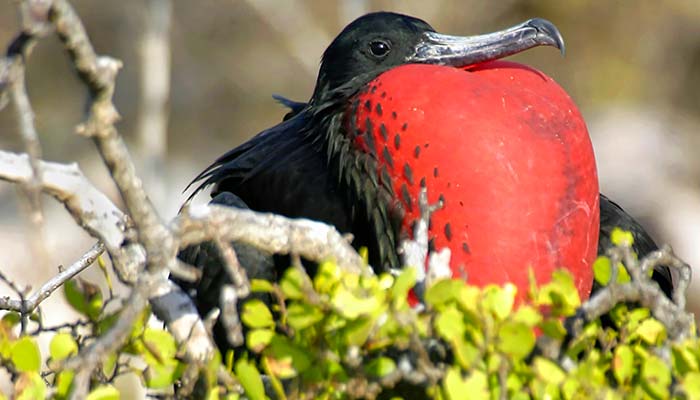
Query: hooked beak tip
x=550, y=32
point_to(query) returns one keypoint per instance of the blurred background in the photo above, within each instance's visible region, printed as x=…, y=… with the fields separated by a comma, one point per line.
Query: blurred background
x=632, y=67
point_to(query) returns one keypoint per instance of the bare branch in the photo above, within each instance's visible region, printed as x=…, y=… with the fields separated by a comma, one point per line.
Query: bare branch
x=172, y=305
x=233, y=267
x=30, y=303
x=644, y=291
x=99, y=74
x=416, y=252
x=89, y=207
x=312, y=240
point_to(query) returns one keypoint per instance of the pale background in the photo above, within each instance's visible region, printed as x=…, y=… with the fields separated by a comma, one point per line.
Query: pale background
x=632, y=67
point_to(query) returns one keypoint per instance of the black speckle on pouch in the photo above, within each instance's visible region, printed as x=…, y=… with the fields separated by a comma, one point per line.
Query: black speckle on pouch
x=387, y=157
x=383, y=132
x=408, y=172
x=406, y=197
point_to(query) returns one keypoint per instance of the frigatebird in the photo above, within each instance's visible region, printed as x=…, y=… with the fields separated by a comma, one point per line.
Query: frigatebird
x=397, y=107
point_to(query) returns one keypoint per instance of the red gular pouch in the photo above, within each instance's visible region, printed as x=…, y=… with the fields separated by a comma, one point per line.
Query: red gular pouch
x=508, y=153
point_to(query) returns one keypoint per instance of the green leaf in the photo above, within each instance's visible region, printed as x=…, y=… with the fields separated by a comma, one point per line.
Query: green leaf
x=30, y=386
x=25, y=355
x=11, y=319
x=380, y=366
x=516, y=339
x=548, y=371
x=301, y=315
x=327, y=277
x=475, y=386
x=465, y=352
x=620, y=237
x=403, y=283
x=683, y=358
x=84, y=297
x=358, y=330
x=651, y=331
x=257, y=315
x=75, y=297
x=261, y=285
x=351, y=306
x=561, y=294
x=292, y=284
x=656, y=377
x=691, y=385
x=553, y=328
x=602, y=270
x=109, y=364
x=289, y=359
x=250, y=379
x=159, y=353
x=528, y=315
x=258, y=339
x=104, y=392
x=64, y=379
x=450, y=323
x=623, y=364
x=443, y=291
x=62, y=346
x=499, y=300
x=160, y=344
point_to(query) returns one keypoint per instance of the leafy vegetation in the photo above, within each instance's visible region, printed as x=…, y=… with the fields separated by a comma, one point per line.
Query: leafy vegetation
x=338, y=335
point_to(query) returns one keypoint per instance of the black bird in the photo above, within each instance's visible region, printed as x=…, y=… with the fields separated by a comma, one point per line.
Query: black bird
x=305, y=165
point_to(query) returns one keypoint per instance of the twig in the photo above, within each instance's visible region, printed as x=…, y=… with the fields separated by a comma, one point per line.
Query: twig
x=416, y=252
x=228, y=297
x=233, y=268
x=99, y=74
x=644, y=291
x=90, y=357
x=31, y=302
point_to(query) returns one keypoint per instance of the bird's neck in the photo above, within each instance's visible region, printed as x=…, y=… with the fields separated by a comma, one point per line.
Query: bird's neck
x=374, y=209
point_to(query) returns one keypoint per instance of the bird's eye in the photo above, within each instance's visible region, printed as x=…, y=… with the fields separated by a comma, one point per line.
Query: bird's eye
x=379, y=48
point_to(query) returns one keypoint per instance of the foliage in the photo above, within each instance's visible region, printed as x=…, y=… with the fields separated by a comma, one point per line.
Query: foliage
x=339, y=335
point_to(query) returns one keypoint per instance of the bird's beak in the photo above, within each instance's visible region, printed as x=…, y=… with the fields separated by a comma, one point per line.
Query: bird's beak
x=462, y=51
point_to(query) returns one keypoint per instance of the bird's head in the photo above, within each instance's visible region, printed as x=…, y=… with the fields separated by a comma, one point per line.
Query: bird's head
x=377, y=42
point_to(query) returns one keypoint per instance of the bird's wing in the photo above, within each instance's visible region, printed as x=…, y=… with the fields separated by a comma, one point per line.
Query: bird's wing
x=611, y=216
x=282, y=170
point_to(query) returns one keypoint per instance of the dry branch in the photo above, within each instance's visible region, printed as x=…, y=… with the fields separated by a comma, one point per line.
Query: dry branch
x=30, y=303
x=312, y=240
